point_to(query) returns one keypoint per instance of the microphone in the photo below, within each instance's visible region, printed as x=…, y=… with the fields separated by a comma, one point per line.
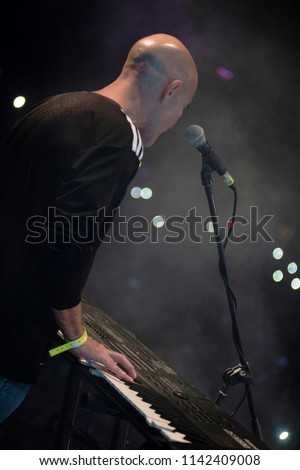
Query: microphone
x=195, y=135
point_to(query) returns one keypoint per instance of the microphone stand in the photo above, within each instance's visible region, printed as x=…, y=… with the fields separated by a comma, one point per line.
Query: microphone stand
x=240, y=373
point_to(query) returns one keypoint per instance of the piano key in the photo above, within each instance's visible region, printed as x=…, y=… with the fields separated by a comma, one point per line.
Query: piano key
x=179, y=437
x=153, y=418
x=161, y=410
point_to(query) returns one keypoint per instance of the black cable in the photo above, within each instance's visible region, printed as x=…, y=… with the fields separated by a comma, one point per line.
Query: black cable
x=241, y=401
x=232, y=218
x=228, y=286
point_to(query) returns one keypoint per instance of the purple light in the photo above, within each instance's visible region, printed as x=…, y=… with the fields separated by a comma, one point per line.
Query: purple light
x=224, y=74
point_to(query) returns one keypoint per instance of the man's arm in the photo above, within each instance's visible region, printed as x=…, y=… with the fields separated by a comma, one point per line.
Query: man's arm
x=99, y=182
x=70, y=323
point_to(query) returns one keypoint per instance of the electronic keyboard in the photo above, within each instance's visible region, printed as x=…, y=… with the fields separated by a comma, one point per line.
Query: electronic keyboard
x=167, y=410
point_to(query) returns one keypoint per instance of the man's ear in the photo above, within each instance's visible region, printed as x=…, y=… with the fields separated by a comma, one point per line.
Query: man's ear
x=171, y=89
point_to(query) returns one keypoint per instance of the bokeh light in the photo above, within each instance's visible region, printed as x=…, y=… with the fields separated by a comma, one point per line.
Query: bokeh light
x=146, y=193
x=210, y=227
x=277, y=275
x=19, y=101
x=158, y=221
x=136, y=192
x=277, y=253
x=295, y=284
x=224, y=73
x=292, y=268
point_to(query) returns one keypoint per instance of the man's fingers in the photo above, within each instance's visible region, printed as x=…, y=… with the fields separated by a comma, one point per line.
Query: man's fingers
x=124, y=362
x=111, y=367
x=121, y=373
x=113, y=361
x=110, y=362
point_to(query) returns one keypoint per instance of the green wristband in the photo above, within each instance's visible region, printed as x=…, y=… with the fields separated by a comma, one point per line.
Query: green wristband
x=75, y=343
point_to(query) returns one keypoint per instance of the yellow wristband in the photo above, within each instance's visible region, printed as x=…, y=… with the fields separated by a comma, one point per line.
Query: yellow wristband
x=75, y=343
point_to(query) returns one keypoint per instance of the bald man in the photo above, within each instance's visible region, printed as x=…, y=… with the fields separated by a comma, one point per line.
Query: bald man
x=65, y=168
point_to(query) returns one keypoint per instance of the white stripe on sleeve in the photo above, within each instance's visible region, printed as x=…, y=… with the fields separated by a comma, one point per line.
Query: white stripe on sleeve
x=137, y=144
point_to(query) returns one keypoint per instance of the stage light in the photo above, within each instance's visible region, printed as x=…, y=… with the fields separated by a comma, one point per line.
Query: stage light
x=295, y=284
x=292, y=268
x=283, y=435
x=277, y=253
x=136, y=192
x=278, y=275
x=158, y=221
x=19, y=101
x=146, y=193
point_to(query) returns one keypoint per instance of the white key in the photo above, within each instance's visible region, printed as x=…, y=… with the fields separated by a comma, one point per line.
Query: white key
x=152, y=417
x=175, y=436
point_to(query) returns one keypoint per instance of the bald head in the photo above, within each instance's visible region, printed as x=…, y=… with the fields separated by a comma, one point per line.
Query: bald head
x=162, y=57
x=157, y=82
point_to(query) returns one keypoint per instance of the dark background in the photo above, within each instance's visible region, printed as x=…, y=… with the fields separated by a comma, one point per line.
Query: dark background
x=171, y=294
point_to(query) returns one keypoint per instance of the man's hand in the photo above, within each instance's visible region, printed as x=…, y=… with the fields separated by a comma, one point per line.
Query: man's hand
x=70, y=322
x=111, y=361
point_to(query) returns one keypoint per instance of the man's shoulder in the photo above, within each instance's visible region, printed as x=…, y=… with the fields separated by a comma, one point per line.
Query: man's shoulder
x=83, y=100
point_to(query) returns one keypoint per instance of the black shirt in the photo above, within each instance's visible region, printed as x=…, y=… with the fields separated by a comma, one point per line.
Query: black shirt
x=65, y=167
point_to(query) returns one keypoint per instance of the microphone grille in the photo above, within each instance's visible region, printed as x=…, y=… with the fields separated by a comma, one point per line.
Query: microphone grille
x=195, y=135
